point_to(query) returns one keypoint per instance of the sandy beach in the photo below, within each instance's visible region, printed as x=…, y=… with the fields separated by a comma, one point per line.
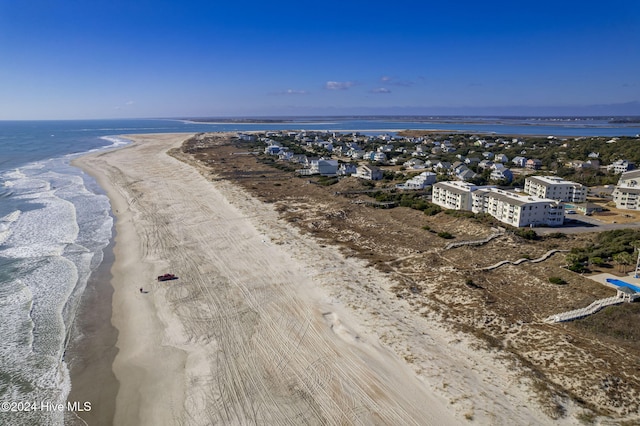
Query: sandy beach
x=265, y=325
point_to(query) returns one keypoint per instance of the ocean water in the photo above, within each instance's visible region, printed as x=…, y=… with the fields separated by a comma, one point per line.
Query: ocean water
x=55, y=222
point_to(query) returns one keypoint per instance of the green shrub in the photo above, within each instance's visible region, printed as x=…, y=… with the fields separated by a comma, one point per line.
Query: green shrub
x=557, y=280
x=445, y=235
x=557, y=235
x=327, y=181
x=432, y=209
x=577, y=267
x=527, y=234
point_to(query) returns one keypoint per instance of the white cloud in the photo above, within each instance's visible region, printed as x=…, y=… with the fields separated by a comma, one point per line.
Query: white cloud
x=130, y=103
x=289, y=92
x=294, y=92
x=381, y=90
x=392, y=81
x=339, y=85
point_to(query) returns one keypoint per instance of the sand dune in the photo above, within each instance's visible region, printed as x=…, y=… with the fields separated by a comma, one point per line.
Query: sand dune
x=264, y=326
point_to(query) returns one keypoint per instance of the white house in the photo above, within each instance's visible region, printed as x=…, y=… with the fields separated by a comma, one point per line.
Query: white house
x=519, y=161
x=285, y=154
x=502, y=175
x=414, y=164
x=246, y=137
x=379, y=156
x=501, y=158
x=442, y=166
x=368, y=172
x=347, y=169
x=320, y=166
x=421, y=181
x=620, y=166
x=485, y=164
x=555, y=188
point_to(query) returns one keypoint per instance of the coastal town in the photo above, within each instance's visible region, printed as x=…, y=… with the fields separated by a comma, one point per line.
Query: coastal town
x=515, y=180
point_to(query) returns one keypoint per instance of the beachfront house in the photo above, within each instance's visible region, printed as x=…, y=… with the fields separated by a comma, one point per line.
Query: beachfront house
x=285, y=154
x=273, y=149
x=326, y=167
x=420, y=181
x=320, y=166
x=368, y=172
x=246, y=137
x=347, y=169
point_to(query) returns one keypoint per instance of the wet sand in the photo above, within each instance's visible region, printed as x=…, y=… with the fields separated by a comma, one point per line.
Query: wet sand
x=92, y=349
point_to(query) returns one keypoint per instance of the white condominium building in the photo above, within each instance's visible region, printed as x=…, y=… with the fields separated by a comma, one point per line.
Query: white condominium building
x=555, y=188
x=627, y=192
x=453, y=195
x=508, y=207
x=516, y=209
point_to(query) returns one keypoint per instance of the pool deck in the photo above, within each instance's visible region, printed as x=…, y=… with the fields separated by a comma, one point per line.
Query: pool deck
x=602, y=279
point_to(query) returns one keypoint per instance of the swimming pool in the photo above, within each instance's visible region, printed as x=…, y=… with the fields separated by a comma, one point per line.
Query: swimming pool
x=620, y=283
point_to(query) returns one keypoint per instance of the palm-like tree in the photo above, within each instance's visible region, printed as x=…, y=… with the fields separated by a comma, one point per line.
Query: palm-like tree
x=623, y=259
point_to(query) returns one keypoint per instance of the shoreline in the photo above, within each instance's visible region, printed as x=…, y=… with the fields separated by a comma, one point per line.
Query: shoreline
x=265, y=324
x=92, y=349
x=128, y=367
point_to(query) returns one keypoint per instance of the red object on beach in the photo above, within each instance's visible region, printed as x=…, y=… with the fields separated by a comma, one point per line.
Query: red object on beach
x=167, y=277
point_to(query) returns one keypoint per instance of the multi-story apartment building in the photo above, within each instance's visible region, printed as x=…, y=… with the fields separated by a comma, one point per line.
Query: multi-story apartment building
x=508, y=207
x=555, y=188
x=454, y=195
x=627, y=192
x=516, y=209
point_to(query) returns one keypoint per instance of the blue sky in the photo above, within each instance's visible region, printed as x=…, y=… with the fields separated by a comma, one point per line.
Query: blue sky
x=109, y=59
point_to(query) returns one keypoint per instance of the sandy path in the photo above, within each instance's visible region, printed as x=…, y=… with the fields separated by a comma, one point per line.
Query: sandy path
x=246, y=335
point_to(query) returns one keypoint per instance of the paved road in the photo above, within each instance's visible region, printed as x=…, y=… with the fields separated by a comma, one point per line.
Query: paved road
x=581, y=224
